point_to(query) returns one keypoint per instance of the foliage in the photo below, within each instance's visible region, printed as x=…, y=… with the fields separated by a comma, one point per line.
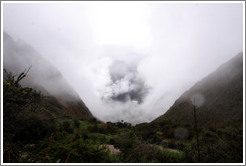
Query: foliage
x=16, y=100
x=27, y=136
x=81, y=151
x=76, y=123
x=67, y=127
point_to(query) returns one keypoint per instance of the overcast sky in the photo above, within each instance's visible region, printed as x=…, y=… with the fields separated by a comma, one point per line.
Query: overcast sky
x=129, y=60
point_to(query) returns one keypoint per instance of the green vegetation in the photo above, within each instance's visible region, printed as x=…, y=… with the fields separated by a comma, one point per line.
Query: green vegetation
x=34, y=133
x=217, y=144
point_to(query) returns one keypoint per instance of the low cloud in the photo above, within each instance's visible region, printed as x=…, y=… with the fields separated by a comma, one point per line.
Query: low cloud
x=126, y=84
x=129, y=67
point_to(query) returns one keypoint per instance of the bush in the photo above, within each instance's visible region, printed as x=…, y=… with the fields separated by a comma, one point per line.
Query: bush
x=79, y=151
x=93, y=129
x=67, y=127
x=76, y=123
x=32, y=129
x=170, y=157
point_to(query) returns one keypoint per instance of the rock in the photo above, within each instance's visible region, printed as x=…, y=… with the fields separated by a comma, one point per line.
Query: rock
x=164, y=143
x=172, y=150
x=24, y=155
x=111, y=149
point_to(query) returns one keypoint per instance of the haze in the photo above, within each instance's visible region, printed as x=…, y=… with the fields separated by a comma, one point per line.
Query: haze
x=129, y=60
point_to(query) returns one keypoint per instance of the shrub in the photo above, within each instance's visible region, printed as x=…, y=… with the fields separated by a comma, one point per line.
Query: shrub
x=67, y=127
x=76, y=123
x=32, y=129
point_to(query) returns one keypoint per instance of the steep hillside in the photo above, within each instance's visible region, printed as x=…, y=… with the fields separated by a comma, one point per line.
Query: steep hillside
x=42, y=76
x=218, y=102
x=218, y=98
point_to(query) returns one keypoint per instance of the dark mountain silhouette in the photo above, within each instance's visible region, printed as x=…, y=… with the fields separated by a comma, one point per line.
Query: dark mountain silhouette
x=43, y=77
x=218, y=98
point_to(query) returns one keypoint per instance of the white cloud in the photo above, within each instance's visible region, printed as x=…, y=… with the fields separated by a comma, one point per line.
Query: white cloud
x=173, y=45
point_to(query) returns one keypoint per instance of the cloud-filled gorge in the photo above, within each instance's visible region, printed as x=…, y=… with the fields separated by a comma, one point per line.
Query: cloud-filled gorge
x=128, y=60
x=126, y=84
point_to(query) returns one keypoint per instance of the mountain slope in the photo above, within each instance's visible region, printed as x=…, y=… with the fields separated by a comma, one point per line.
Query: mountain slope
x=218, y=101
x=18, y=56
x=218, y=98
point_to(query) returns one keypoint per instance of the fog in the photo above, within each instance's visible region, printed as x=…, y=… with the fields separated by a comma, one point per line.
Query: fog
x=129, y=60
x=41, y=75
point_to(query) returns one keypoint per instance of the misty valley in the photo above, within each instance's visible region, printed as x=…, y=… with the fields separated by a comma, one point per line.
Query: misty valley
x=45, y=121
